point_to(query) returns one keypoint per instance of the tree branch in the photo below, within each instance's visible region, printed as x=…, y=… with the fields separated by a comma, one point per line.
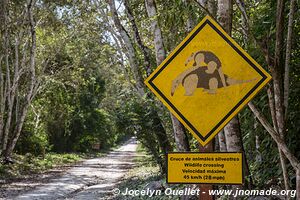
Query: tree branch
x=263, y=44
x=205, y=9
x=280, y=142
x=145, y=50
x=131, y=51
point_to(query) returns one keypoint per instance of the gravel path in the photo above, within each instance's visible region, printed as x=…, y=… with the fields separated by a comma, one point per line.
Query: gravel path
x=92, y=179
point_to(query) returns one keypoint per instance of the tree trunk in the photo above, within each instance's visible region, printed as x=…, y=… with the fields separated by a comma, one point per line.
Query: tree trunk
x=202, y=3
x=145, y=50
x=298, y=183
x=159, y=130
x=209, y=6
x=212, y=7
x=182, y=143
x=2, y=103
x=277, y=69
x=179, y=131
x=258, y=156
x=280, y=143
x=233, y=136
x=232, y=129
x=118, y=42
x=286, y=89
x=286, y=81
x=217, y=144
x=129, y=47
x=244, y=18
x=8, y=123
x=6, y=94
x=272, y=107
x=234, y=144
x=162, y=140
x=8, y=151
x=275, y=96
x=12, y=94
x=190, y=22
x=222, y=141
x=160, y=53
x=277, y=83
x=32, y=87
x=224, y=14
x=275, y=124
x=162, y=136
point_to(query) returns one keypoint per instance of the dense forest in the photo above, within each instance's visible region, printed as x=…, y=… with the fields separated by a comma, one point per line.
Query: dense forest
x=72, y=76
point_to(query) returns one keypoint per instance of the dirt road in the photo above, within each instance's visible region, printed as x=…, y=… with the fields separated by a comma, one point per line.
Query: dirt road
x=92, y=179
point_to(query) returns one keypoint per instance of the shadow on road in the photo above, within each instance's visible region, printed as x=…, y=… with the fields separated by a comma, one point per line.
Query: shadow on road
x=92, y=179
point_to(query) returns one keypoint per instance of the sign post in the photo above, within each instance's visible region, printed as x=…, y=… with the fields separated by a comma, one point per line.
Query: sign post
x=205, y=82
x=204, y=188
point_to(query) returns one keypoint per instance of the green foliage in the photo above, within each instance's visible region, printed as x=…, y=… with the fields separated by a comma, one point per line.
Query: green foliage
x=267, y=171
x=67, y=114
x=136, y=116
x=37, y=144
x=28, y=163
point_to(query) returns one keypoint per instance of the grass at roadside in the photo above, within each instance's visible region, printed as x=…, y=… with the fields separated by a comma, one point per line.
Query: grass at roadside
x=144, y=175
x=29, y=164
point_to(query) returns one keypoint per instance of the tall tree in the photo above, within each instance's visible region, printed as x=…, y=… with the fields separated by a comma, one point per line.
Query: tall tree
x=20, y=63
x=179, y=130
x=158, y=129
x=286, y=82
x=276, y=90
x=232, y=129
x=278, y=84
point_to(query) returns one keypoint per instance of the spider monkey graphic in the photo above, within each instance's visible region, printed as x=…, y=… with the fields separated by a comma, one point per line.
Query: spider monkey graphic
x=206, y=73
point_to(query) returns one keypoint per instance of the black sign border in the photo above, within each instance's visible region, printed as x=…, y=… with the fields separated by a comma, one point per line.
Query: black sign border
x=264, y=77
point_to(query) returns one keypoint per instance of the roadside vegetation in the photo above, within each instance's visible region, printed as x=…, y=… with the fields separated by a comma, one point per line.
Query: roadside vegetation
x=145, y=171
x=24, y=165
x=29, y=164
x=145, y=175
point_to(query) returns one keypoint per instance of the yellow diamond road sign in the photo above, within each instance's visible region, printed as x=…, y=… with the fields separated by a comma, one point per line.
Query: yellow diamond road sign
x=207, y=80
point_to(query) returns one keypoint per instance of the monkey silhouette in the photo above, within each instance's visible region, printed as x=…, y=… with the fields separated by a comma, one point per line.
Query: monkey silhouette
x=206, y=73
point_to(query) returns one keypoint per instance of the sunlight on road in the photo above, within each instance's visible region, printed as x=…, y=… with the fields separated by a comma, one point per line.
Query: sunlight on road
x=94, y=178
